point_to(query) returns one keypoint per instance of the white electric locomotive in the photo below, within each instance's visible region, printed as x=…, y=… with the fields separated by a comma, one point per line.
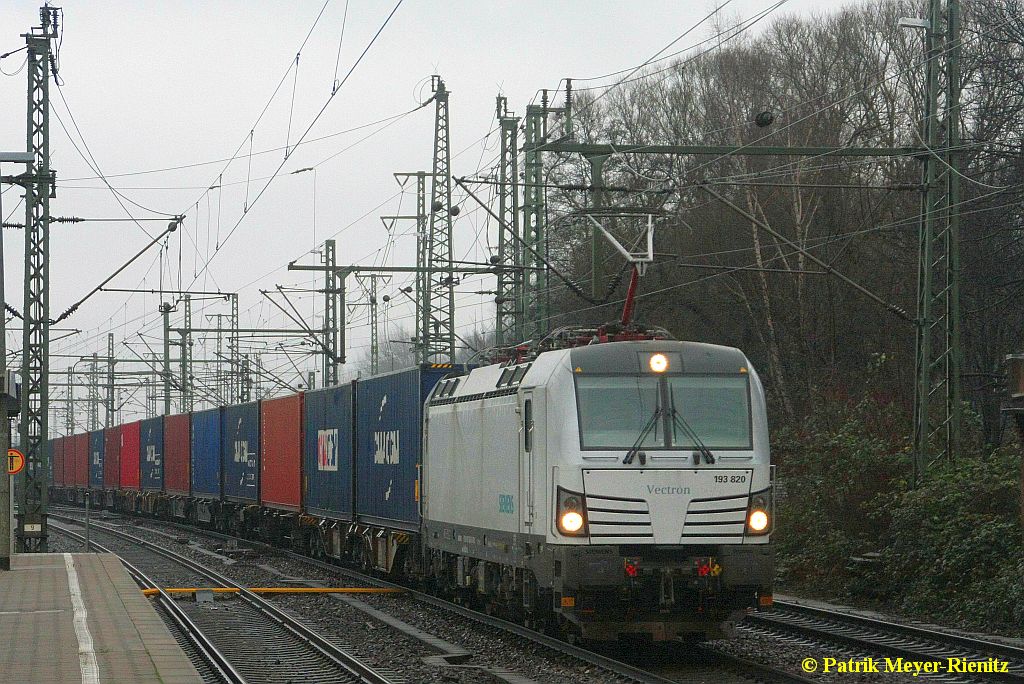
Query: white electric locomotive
x=604, y=491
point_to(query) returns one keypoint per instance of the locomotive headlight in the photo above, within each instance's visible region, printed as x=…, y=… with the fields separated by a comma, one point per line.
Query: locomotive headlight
x=658, y=363
x=571, y=521
x=759, y=515
x=758, y=520
x=571, y=514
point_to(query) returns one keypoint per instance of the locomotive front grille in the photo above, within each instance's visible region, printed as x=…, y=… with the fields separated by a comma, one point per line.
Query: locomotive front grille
x=721, y=518
x=618, y=520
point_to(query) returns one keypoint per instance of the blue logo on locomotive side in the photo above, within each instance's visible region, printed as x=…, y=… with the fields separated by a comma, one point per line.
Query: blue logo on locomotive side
x=506, y=503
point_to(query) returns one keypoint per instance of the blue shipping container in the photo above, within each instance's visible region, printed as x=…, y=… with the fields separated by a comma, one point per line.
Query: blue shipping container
x=151, y=454
x=240, y=457
x=206, y=454
x=389, y=409
x=96, y=448
x=327, y=452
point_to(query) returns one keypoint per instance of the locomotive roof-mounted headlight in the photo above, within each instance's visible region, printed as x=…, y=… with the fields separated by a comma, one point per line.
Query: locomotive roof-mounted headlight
x=658, y=363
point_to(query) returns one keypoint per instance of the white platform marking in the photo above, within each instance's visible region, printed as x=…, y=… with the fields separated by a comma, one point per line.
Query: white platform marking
x=86, y=654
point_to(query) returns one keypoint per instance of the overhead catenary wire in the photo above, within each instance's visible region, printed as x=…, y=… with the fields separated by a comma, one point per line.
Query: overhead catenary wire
x=309, y=33
x=261, y=114
x=312, y=123
x=388, y=248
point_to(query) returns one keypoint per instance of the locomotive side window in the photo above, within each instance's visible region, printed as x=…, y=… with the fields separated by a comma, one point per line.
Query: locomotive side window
x=517, y=377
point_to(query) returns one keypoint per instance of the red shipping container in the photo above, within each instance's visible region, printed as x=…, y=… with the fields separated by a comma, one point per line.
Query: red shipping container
x=281, y=461
x=112, y=457
x=131, y=437
x=68, y=457
x=58, y=461
x=177, y=454
x=81, y=451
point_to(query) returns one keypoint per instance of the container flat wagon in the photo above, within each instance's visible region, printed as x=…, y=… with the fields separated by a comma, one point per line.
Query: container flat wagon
x=111, y=465
x=327, y=463
x=151, y=463
x=177, y=462
x=608, y=490
x=97, y=444
x=240, y=464
x=205, y=457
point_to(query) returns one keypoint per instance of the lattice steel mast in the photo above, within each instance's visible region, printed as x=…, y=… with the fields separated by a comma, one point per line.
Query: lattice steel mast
x=94, y=394
x=422, y=301
x=235, y=351
x=334, y=316
x=420, y=283
x=534, y=299
x=937, y=396
x=111, y=400
x=508, y=317
x=438, y=334
x=41, y=186
x=185, y=358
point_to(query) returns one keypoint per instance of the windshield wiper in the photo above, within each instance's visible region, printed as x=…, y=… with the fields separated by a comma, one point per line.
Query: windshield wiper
x=635, y=449
x=685, y=428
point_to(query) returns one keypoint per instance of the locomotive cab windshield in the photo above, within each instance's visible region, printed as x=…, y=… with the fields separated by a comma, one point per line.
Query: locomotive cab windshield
x=666, y=412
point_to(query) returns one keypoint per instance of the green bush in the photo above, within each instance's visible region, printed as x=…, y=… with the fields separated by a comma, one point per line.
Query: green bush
x=952, y=549
x=949, y=550
x=832, y=469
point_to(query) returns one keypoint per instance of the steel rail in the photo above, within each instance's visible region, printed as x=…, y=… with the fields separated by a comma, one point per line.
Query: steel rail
x=341, y=658
x=880, y=636
x=751, y=669
x=882, y=639
x=757, y=671
x=992, y=647
x=213, y=656
x=591, y=657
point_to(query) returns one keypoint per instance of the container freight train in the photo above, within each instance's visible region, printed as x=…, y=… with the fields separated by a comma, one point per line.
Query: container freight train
x=606, y=491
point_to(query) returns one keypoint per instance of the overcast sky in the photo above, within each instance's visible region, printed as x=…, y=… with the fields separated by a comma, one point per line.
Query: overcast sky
x=153, y=85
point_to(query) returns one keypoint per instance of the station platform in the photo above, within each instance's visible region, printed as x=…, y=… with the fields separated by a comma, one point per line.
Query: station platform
x=81, y=618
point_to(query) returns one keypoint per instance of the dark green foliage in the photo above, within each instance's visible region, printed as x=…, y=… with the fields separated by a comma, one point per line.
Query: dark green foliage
x=953, y=548
x=950, y=551
x=834, y=467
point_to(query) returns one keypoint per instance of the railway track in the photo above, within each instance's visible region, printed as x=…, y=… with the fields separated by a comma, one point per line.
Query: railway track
x=835, y=632
x=217, y=665
x=865, y=636
x=701, y=656
x=253, y=640
x=696, y=664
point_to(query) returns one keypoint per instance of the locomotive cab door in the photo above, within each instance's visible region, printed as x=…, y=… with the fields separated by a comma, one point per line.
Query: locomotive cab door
x=531, y=452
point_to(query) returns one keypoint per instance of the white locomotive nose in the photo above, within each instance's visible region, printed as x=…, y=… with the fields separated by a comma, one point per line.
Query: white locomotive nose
x=634, y=477
x=667, y=506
